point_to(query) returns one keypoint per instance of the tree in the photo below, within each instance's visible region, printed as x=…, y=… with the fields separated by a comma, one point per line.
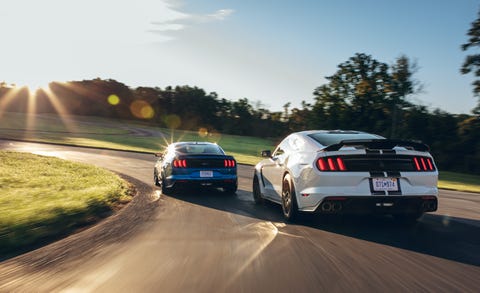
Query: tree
x=285, y=111
x=356, y=96
x=469, y=142
x=472, y=62
x=299, y=118
x=329, y=109
x=242, y=113
x=402, y=84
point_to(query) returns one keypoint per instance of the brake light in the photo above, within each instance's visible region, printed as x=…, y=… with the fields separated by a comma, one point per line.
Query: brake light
x=417, y=164
x=321, y=165
x=340, y=164
x=423, y=164
x=331, y=164
x=180, y=163
x=229, y=163
x=430, y=164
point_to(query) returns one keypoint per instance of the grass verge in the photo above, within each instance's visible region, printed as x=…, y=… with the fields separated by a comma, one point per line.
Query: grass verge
x=44, y=197
x=459, y=181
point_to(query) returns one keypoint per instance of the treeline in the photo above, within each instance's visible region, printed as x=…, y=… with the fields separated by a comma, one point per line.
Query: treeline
x=180, y=107
x=364, y=94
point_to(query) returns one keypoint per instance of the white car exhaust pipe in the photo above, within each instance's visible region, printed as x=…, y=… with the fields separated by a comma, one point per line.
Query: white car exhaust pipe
x=429, y=206
x=336, y=207
x=326, y=206
x=331, y=206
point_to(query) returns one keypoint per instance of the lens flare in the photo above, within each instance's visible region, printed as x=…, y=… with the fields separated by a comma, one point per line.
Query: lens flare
x=203, y=132
x=8, y=97
x=173, y=121
x=113, y=100
x=61, y=110
x=142, y=109
x=214, y=136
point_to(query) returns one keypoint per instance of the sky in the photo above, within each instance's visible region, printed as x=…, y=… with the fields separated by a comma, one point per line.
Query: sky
x=270, y=52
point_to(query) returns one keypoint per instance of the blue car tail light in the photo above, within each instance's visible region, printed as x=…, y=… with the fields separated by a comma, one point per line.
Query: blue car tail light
x=229, y=163
x=180, y=163
x=204, y=163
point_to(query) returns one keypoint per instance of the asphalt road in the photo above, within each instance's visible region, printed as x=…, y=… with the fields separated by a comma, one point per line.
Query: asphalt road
x=209, y=242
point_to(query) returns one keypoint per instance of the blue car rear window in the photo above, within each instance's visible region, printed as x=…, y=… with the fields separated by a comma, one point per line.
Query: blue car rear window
x=199, y=149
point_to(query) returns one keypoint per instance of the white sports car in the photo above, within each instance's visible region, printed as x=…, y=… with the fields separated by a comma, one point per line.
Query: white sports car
x=348, y=172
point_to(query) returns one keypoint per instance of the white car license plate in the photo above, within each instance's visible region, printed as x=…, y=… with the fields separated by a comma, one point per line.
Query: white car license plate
x=385, y=184
x=206, y=173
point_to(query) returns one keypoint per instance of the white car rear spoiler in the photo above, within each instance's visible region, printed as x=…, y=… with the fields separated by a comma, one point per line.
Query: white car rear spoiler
x=379, y=144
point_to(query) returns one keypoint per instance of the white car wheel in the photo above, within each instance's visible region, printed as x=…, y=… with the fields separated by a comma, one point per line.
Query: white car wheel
x=289, y=201
x=256, y=191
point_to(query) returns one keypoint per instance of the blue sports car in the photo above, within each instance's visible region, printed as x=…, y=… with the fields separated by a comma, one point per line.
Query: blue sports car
x=195, y=164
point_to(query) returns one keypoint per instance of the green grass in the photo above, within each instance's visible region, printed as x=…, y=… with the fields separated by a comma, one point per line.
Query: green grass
x=43, y=197
x=459, y=181
x=105, y=133
x=21, y=123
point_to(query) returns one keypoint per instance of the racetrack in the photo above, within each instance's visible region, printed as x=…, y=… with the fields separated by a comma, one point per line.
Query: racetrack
x=210, y=242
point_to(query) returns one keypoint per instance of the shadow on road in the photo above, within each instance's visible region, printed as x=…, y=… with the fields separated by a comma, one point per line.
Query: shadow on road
x=451, y=238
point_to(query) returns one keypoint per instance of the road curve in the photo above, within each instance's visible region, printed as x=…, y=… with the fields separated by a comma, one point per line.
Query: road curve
x=209, y=242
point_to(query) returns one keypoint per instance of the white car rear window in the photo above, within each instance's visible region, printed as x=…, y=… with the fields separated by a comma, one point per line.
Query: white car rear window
x=326, y=139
